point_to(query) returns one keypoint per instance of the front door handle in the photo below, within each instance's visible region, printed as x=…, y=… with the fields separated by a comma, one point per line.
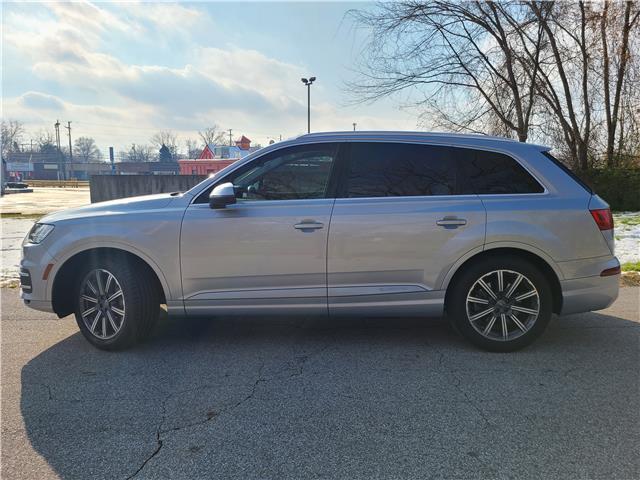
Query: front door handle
x=451, y=222
x=308, y=225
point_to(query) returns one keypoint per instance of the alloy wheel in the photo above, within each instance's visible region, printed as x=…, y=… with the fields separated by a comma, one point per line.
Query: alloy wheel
x=503, y=305
x=102, y=305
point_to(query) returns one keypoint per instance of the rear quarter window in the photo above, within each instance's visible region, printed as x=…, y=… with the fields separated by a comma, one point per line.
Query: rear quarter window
x=491, y=173
x=566, y=170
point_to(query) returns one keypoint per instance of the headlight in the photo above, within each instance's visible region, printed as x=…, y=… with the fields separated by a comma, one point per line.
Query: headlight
x=38, y=233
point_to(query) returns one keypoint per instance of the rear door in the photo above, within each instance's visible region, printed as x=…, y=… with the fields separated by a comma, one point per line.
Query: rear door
x=397, y=228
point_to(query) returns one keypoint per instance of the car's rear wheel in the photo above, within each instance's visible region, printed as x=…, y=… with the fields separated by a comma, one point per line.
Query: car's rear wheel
x=116, y=305
x=501, y=304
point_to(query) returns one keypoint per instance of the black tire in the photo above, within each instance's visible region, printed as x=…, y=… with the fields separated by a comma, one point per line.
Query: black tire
x=139, y=301
x=468, y=296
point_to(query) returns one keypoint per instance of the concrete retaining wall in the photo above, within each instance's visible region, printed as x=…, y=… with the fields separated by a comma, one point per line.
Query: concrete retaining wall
x=109, y=187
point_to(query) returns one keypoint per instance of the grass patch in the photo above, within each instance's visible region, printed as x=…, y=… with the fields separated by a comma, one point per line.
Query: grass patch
x=23, y=216
x=631, y=267
x=630, y=221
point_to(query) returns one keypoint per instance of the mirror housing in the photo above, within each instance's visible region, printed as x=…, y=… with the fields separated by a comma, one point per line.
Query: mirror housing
x=222, y=195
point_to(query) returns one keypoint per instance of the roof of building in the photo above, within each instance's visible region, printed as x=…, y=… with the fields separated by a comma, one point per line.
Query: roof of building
x=26, y=157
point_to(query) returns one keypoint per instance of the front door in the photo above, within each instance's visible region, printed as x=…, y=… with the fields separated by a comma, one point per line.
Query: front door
x=267, y=252
x=398, y=229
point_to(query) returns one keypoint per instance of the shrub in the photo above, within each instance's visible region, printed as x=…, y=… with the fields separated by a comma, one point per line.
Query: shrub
x=620, y=188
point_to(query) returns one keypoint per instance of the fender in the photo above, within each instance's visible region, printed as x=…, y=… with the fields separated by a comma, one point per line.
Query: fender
x=86, y=245
x=495, y=245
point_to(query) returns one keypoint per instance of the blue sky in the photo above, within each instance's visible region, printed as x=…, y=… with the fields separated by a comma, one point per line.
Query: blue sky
x=122, y=71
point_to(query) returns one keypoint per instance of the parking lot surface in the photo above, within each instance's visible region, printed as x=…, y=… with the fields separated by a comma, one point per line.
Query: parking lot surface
x=318, y=398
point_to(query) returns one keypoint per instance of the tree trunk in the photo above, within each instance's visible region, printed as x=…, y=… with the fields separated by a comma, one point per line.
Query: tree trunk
x=583, y=156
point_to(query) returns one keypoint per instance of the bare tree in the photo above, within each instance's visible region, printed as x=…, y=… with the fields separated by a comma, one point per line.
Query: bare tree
x=555, y=71
x=212, y=135
x=459, y=57
x=86, y=150
x=11, y=131
x=165, y=137
x=194, y=147
x=615, y=30
x=45, y=140
x=140, y=153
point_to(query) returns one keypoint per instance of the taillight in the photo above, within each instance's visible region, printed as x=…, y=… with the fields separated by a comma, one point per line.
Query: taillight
x=611, y=271
x=603, y=218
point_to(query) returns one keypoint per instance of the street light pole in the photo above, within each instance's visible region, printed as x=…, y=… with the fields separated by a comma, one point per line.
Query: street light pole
x=308, y=83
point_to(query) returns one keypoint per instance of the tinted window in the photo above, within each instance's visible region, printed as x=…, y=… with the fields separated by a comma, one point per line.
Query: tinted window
x=399, y=170
x=288, y=174
x=493, y=173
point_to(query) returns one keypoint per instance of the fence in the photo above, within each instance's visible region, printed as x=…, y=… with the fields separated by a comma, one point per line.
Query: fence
x=73, y=183
x=110, y=187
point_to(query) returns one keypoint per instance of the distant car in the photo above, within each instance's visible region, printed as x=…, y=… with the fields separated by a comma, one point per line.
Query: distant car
x=16, y=185
x=495, y=233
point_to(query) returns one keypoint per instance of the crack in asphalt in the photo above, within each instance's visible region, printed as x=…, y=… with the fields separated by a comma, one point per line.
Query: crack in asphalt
x=302, y=359
x=160, y=431
x=456, y=383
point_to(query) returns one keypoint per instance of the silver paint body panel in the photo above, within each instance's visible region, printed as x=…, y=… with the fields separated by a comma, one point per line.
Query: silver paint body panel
x=389, y=253
x=250, y=255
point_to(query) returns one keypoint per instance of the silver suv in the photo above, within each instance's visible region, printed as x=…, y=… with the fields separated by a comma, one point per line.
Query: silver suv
x=496, y=233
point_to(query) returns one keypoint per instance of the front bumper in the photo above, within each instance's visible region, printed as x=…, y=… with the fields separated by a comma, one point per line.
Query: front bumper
x=34, y=288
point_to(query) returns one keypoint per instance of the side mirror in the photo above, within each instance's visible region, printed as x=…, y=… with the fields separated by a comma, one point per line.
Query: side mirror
x=222, y=195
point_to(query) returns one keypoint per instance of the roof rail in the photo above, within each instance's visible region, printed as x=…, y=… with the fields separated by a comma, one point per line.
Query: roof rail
x=350, y=133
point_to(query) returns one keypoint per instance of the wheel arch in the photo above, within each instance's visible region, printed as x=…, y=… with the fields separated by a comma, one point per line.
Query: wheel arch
x=62, y=296
x=546, y=265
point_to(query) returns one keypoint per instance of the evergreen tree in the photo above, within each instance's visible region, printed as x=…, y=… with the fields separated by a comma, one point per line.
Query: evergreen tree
x=165, y=154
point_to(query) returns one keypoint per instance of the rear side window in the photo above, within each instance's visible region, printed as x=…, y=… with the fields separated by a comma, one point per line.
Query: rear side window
x=486, y=173
x=399, y=170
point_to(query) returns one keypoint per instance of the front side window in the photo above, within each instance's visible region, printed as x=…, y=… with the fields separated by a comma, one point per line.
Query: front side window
x=487, y=173
x=292, y=173
x=400, y=170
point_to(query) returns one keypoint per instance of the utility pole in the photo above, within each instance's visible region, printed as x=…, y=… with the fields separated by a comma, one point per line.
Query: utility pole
x=230, y=139
x=68, y=127
x=354, y=126
x=113, y=165
x=57, y=127
x=308, y=84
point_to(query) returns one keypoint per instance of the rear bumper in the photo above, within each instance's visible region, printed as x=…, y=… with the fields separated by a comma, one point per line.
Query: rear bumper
x=589, y=293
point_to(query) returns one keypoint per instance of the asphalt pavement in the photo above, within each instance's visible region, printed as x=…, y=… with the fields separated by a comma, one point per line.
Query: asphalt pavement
x=309, y=398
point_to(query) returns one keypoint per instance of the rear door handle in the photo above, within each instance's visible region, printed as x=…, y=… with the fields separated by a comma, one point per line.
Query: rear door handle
x=451, y=222
x=308, y=225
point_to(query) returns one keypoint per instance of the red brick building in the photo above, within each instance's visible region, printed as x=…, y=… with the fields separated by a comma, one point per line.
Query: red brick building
x=216, y=157
x=203, y=166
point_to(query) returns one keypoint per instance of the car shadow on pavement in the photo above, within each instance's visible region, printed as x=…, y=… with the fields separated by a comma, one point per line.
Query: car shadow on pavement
x=337, y=398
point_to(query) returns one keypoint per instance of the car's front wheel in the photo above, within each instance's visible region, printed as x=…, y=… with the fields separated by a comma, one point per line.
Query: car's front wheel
x=501, y=304
x=116, y=304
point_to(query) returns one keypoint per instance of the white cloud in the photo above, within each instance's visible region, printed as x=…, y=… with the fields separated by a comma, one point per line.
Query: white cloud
x=66, y=46
x=37, y=101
